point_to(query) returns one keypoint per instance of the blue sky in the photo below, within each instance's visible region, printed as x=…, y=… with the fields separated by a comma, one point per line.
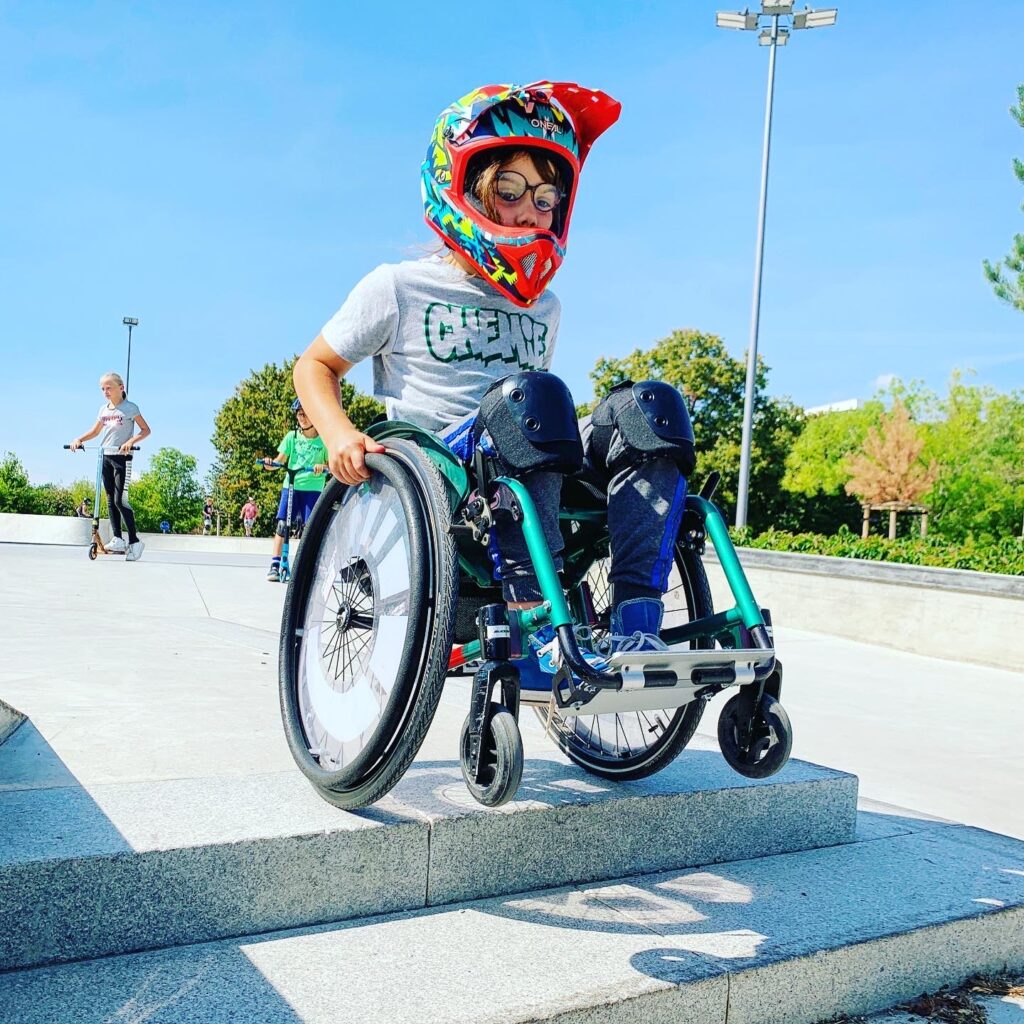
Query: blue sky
x=226, y=172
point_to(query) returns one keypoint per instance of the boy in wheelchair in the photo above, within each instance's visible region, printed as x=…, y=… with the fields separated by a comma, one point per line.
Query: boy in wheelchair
x=462, y=343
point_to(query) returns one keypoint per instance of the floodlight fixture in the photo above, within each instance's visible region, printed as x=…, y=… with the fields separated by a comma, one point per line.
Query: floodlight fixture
x=773, y=22
x=820, y=19
x=739, y=20
x=131, y=321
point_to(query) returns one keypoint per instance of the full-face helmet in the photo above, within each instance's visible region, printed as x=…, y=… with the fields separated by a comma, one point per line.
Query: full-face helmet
x=556, y=123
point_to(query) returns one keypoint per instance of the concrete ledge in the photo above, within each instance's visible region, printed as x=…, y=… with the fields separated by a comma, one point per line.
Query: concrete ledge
x=944, y=613
x=10, y=719
x=141, y=866
x=73, y=531
x=799, y=938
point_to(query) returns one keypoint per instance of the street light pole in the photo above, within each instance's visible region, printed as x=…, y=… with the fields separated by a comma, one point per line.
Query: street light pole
x=129, y=322
x=772, y=35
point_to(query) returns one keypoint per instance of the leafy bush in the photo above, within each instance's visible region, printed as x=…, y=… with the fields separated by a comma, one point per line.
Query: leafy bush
x=1001, y=556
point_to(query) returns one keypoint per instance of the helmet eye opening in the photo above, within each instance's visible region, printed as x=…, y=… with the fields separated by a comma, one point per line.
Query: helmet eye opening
x=489, y=181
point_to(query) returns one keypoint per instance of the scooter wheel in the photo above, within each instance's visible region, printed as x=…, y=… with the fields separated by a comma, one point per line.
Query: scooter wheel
x=771, y=740
x=502, y=757
x=92, y=552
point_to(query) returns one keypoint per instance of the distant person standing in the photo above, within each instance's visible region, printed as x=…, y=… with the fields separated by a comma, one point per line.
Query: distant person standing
x=83, y=511
x=250, y=510
x=117, y=420
x=207, y=516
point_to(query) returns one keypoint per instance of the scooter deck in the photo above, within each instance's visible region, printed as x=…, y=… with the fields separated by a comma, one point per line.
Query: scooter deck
x=644, y=687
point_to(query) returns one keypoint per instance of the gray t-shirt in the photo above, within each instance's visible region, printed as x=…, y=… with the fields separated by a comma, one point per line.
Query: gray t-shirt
x=118, y=425
x=439, y=337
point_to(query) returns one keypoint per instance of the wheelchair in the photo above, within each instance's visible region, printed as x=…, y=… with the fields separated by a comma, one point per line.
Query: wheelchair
x=393, y=590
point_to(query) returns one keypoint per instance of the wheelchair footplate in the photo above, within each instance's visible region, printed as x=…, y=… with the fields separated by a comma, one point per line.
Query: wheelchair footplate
x=654, y=680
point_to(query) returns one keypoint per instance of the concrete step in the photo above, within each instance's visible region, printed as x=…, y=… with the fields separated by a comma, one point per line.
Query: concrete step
x=146, y=865
x=800, y=937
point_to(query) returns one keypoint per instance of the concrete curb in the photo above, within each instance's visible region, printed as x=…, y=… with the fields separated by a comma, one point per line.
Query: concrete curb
x=10, y=719
x=799, y=938
x=141, y=866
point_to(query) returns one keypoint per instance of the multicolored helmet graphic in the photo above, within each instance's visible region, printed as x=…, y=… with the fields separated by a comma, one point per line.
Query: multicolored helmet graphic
x=557, y=123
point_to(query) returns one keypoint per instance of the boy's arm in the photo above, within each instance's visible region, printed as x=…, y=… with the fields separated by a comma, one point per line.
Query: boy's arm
x=316, y=377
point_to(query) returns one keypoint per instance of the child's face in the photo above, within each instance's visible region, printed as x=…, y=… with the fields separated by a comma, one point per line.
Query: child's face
x=523, y=212
x=111, y=391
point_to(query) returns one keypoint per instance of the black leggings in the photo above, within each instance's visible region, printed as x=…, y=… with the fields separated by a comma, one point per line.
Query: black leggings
x=114, y=472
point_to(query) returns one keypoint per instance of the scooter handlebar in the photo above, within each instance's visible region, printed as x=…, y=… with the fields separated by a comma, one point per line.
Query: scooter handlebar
x=94, y=447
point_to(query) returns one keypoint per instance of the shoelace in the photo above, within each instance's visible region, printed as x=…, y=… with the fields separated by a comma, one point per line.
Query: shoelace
x=637, y=641
x=553, y=649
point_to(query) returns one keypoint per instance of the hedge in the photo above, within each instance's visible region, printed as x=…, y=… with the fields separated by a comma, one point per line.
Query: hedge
x=1002, y=556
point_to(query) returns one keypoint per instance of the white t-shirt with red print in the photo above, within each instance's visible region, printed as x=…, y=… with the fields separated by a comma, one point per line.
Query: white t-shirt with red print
x=118, y=425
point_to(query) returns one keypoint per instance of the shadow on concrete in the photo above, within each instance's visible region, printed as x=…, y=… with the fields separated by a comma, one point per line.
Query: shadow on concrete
x=219, y=986
x=44, y=810
x=436, y=788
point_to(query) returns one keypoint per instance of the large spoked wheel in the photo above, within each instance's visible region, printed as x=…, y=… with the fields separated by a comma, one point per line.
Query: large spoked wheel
x=756, y=749
x=635, y=744
x=367, y=627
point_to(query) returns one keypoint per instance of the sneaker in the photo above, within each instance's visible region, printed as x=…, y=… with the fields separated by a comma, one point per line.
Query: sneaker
x=134, y=552
x=274, y=574
x=635, y=626
x=538, y=668
x=116, y=545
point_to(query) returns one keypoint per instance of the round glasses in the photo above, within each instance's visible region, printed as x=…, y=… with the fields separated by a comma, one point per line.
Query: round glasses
x=511, y=186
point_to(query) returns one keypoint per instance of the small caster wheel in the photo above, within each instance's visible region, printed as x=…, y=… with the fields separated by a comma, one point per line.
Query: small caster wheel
x=502, y=756
x=285, y=576
x=92, y=552
x=771, y=742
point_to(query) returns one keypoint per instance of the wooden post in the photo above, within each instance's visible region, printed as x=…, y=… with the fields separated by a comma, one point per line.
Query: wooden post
x=892, y=524
x=866, y=525
x=924, y=524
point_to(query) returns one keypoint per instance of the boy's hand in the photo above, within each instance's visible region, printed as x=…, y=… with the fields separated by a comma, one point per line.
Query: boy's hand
x=346, y=456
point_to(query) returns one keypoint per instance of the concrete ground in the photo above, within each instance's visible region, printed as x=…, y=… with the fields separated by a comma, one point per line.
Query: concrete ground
x=166, y=669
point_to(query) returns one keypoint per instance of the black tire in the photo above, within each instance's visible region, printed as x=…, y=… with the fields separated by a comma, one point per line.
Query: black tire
x=636, y=744
x=773, y=737
x=93, y=550
x=366, y=631
x=503, y=754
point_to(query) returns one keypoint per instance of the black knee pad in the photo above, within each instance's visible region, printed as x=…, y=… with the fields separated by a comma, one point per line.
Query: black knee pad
x=639, y=422
x=281, y=530
x=531, y=420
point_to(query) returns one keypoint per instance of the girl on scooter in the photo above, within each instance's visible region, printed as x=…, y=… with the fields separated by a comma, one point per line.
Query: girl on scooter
x=122, y=427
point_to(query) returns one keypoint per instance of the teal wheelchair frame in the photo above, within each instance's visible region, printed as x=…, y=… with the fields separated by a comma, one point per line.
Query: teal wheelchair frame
x=393, y=590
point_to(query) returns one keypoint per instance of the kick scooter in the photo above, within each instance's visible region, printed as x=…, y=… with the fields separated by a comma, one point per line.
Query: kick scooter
x=291, y=472
x=96, y=546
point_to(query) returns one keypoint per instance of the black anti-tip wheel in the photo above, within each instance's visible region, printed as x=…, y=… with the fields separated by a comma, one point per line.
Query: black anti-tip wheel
x=502, y=756
x=92, y=552
x=771, y=742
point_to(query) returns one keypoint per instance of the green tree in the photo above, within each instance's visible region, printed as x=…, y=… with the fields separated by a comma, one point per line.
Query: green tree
x=817, y=470
x=54, y=500
x=16, y=493
x=169, y=490
x=1007, y=277
x=250, y=425
x=977, y=442
x=713, y=383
